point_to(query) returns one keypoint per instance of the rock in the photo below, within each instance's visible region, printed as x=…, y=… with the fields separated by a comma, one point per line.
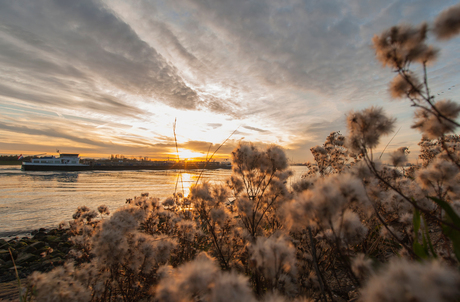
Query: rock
x=26, y=257
x=38, y=245
x=64, y=246
x=39, y=235
x=9, y=264
x=15, y=253
x=20, y=245
x=47, y=265
x=18, y=267
x=36, y=266
x=58, y=254
x=27, y=253
x=30, y=249
x=62, y=231
x=53, y=232
x=44, y=249
x=52, y=239
x=5, y=254
x=57, y=261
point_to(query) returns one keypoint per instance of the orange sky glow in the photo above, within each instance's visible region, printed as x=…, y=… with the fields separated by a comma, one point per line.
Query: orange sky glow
x=102, y=77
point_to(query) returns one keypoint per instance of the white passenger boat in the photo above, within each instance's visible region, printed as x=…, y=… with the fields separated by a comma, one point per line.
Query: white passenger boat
x=65, y=162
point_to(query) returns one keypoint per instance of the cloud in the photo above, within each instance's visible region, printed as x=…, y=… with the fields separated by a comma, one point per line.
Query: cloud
x=303, y=45
x=199, y=146
x=320, y=130
x=95, y=101
x=276, y=38
x=50, y=132
x=100, y=46
x=289, y=71
x=214, y=125
x=137, y=141
x=256, y=129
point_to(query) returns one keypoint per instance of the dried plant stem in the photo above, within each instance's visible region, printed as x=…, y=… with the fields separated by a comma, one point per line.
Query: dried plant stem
x=449, y=154
x=389, y=143
x=315, y=264
x=209, y=149
x=208, y=160
x=370, y=165
x=385, y=225
x=427, y=98
x=21, y=297
x=178, y=159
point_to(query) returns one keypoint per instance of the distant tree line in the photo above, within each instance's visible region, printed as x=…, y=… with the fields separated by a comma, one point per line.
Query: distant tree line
x=117, y=157
x=13, y=158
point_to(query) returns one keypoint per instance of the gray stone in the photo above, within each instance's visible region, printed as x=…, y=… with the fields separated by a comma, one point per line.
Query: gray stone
x=30, y=249
x=20, y=245
x=26, y=257
x=5, y=254
x=9, y=264
x=18, y=267
x=40, y=236
x=38, y=245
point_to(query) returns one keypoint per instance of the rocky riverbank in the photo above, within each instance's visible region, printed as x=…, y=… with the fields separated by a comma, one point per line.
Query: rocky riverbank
x=43, y=251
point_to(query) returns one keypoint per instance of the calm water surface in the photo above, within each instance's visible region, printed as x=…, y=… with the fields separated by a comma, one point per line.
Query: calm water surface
x=31, y=200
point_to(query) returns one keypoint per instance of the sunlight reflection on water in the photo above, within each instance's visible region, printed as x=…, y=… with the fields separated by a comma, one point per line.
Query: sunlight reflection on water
x=30, y=200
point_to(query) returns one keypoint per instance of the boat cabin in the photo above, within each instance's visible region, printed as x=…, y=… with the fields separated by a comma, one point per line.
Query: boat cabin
x=63, y=159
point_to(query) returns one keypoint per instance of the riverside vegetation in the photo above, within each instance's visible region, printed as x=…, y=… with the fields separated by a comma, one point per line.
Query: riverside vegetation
x=351, y=230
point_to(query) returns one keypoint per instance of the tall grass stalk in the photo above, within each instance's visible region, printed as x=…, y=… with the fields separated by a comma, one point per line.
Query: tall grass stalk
x=178, y=159
x=22, y=298
x=208, y=160
x=389, y=143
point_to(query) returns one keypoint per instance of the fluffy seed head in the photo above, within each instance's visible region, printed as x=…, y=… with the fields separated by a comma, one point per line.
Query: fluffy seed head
x=433, y=126
x=404, y=280
x=365, y=128
x=447, y=24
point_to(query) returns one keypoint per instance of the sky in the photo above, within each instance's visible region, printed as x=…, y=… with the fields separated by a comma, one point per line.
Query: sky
x=101, y=77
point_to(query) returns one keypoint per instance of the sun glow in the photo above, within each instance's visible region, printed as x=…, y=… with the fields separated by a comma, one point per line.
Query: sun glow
x=189, y=154
x=185, y=181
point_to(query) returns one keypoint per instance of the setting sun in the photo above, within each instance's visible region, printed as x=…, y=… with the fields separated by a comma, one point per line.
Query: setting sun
x=189, y=154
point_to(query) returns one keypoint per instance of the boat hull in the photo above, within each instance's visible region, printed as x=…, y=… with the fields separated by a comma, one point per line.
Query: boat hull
x=188, y=166
x=54, y=168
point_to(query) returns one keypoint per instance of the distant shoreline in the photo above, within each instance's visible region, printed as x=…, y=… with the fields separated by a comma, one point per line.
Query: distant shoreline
x=14, y=163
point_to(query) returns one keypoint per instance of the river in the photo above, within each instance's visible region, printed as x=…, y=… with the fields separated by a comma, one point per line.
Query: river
x=32, y=200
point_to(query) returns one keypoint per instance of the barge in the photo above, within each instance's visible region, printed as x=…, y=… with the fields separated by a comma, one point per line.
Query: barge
x=71, y=162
